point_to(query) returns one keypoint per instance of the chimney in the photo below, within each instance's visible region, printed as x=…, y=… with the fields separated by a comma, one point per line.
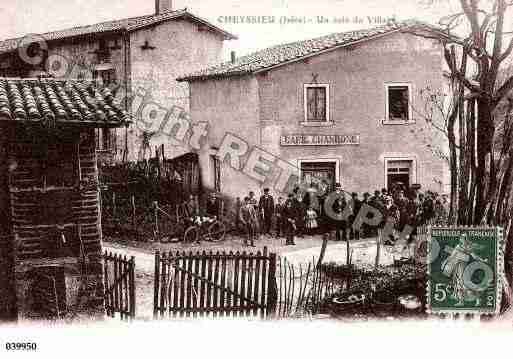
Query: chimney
x=163, y=6
x=233, y=57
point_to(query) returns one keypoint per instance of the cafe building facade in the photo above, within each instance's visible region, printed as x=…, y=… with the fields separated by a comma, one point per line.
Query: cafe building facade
x=344, y=108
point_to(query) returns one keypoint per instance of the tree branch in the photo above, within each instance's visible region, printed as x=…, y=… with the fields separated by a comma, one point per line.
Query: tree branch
x=506, y=87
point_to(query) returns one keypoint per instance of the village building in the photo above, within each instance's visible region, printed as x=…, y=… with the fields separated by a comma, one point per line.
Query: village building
x=343, y=108
x=142, y=55
x=50, y=233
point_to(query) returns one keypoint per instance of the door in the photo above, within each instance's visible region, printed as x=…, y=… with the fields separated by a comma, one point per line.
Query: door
x=322, y=171
x=399, y=174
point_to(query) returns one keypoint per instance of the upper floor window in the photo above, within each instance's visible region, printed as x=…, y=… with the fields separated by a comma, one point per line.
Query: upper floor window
x=103, y=51
x=398, y=103
x=105, y=139
x=104, y=77
x=316, y=100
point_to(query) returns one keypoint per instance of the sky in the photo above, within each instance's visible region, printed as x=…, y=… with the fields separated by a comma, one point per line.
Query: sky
x=20, y=17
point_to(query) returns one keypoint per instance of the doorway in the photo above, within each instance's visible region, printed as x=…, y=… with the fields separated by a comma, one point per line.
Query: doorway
x=325, y=172
x=399, y=173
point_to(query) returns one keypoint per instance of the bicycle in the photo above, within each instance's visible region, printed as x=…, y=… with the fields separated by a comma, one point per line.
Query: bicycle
x=205, y=228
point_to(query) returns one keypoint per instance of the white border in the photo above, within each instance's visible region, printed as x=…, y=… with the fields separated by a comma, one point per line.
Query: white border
x=328, y=121
x=386, y=120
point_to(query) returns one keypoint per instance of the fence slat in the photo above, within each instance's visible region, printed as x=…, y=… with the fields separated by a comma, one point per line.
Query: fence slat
x=272, y=286
x=243, y=283
x=195, y=288
x=175, y=286
x=126, y=275
x=215, y=301
x=236, y=300
x=163, y=285
x=208, y=305
x=182, y=283
x=156, y=287
x=256, y=297
x=203, y=290
x=188, y=303
x=132, y=287
x=263, y=290
x=116, y=285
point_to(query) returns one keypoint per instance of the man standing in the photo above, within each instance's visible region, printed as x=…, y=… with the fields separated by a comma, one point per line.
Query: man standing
x=248, y=219
x=289, y=218
x=253, y=202
x=339, y=208
x=357, y=204
x=213, y=206
x=266, y=209
x=297, y=204
x=278, y=213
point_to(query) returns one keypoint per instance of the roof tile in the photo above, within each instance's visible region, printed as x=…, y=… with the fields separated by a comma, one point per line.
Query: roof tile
x=63, y=101
x=280, y=54
x=129, y=24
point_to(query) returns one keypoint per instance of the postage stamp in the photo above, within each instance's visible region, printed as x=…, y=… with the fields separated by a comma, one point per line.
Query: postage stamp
x=465, y=270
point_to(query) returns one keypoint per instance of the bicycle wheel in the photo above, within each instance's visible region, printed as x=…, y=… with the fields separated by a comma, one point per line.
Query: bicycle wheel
x=190, y=235
x=216, y=231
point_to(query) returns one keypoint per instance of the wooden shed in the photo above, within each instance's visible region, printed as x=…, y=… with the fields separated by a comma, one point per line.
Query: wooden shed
x=50, y=232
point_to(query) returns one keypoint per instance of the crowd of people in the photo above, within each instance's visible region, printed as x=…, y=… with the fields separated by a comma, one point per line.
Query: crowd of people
x=303, y=212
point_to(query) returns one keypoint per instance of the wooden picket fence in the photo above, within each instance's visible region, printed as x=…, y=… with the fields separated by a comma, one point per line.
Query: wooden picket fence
x=119, y=276
x=217, y=284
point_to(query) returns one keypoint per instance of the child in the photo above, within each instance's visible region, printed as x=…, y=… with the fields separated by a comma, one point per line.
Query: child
x=311, y=220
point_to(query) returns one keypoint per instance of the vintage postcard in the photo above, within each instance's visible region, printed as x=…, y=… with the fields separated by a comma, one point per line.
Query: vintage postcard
x=177, y=162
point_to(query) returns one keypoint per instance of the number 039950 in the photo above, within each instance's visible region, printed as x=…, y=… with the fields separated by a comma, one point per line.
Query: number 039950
x=20, y=346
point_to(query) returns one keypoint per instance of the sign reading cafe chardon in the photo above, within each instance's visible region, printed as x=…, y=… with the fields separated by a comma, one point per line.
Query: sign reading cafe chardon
x=319, y=140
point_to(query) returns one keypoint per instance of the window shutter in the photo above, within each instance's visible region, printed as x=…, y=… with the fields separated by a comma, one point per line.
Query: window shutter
x=321, y=104
x=310, y=95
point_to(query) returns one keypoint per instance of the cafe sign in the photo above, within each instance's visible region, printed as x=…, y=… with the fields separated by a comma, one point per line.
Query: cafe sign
x=319, y=140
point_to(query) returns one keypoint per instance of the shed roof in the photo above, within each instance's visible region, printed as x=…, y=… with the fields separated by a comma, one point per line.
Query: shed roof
x=275, y=56
x=130, y=24
x=71, y=102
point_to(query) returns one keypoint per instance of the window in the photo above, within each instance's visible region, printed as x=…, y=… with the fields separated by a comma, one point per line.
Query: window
x=105, y=139
x=103, y=52
x=104, y=77
x=398, y=103
x=316, y=101
x=216, y=165
x=400, y=172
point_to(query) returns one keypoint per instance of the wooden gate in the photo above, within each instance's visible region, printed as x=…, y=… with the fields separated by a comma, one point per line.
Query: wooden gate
x=215, y=284
x=119, y=276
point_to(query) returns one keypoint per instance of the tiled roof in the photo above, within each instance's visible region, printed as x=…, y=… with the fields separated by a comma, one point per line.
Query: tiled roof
x=130, y=24
x=60, y=101
x=295, y=51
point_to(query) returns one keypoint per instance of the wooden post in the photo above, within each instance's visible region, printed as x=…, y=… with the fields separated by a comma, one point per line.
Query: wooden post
x=156, y=217
x=132, y=287
x=323, y=250
x=348, y=255
x=132, y=198
x=114, y=204
x=156, y=285
x=272, y=287
x=378, y=249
